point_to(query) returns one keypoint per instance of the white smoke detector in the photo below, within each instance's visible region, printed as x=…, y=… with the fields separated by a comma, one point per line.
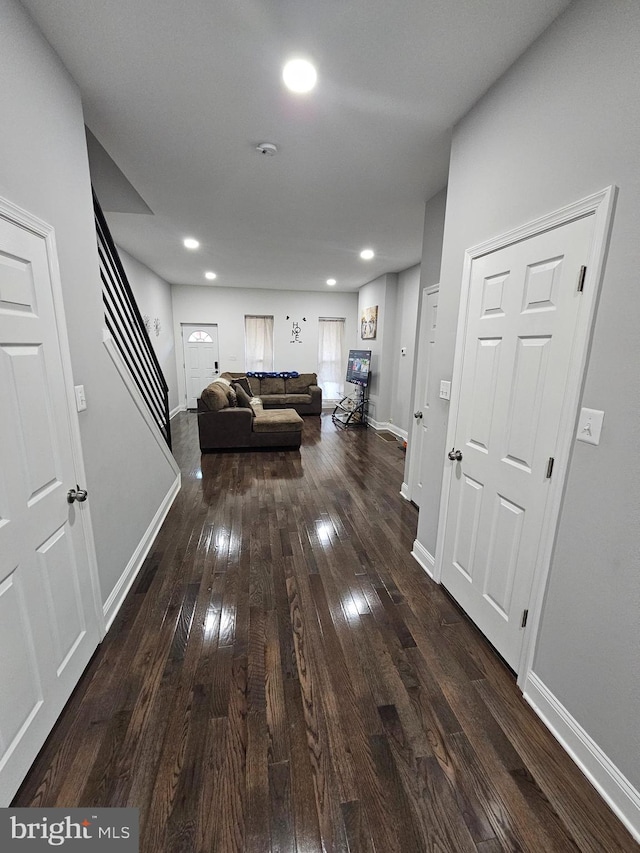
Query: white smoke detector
x=267, y=148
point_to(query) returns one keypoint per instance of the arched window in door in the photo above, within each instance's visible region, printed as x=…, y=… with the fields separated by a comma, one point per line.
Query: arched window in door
x=200, y=337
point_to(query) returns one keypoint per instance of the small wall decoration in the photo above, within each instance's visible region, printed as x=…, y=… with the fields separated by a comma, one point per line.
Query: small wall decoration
x=369, y=323
x=146, y=319
x=296, y=330
x=157, y=327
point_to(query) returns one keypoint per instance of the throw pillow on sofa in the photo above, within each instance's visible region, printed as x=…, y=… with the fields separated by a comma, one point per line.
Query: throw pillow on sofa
x=244, y=383
x=244, y=399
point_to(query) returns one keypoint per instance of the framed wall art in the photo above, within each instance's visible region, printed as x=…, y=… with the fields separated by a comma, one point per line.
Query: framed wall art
x=369, y=323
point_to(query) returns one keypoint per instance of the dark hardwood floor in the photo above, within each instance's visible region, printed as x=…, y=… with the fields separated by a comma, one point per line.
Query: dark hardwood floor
x=284, y=677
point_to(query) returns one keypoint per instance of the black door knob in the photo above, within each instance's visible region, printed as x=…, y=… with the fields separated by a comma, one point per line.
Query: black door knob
x=455, y=455
x=76, y=494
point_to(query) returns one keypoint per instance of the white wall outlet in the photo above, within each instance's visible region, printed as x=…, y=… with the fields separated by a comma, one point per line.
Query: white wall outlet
x=81, y=400
x=445, y=390
x=590, y=426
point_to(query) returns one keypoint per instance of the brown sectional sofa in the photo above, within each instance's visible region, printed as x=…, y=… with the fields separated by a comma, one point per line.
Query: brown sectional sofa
x=227, y=417
x=301, y=392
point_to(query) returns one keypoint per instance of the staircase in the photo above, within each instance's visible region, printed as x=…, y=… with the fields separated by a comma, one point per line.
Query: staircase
x=126, y=326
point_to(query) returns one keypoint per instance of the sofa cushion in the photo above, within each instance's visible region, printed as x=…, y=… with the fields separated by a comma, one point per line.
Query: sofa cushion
x=300, y=384
x=215, y=397
x=271, y=385
x=225, y=384
x=286, y=400
x=278, y=420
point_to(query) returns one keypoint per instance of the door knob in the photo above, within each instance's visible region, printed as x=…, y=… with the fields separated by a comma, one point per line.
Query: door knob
x=455, y=455
x=417, y=415
x=76, y=494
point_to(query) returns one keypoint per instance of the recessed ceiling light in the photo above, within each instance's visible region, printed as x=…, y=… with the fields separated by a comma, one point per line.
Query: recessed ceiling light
x=190, y=243
x=331, y=281
x=299, y=75
x=367, y=254
x=210, y=275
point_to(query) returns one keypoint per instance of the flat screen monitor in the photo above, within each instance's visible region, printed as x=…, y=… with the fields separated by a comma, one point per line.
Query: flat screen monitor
x=359, y=366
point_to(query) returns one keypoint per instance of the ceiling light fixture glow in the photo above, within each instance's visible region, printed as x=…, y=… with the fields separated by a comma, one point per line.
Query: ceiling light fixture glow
x=299, y=75
x=210, y=275
x=331, y=282
x=367, y=254
x=190, y=243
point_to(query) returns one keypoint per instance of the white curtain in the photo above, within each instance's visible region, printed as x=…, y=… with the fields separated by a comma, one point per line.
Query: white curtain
x=258, y=343
x=331, y=357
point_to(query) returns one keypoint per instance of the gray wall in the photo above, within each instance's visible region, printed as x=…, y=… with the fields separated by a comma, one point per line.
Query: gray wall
x=153, y=295
x=561, y=124
x=407, y=297
x=44, y=169
x=429, y=275
x=381, y=292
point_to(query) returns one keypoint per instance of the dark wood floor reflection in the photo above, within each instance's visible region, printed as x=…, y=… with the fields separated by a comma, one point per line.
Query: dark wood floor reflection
x=284, y=677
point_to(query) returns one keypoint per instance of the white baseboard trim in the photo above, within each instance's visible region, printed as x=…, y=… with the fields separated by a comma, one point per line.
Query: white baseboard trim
x=404, y=491
x=611, y=784
x=176, y=411
x=388, y=427
x=122, y=587
x=424, y=558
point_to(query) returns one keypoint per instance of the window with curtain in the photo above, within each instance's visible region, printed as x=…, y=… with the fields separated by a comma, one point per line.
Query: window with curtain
x=331, y=357
x=258, y=343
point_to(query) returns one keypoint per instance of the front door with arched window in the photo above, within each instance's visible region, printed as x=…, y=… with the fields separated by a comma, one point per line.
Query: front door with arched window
x=201, y=364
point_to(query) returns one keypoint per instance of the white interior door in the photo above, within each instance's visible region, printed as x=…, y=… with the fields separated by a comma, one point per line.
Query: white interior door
x=423, y=393
x=522, y=315
x=48, y=621
x=200, y=359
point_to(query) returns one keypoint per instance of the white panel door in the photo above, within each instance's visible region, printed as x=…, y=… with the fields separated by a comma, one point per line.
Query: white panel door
x=522, y=315
x=200, y=359
x=48, y=623
x=423, y=394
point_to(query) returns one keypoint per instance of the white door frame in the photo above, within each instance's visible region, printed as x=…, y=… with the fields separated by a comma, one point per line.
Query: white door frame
x=16, y=215
x=184, y=355
x=600, y=205
x=420, y=370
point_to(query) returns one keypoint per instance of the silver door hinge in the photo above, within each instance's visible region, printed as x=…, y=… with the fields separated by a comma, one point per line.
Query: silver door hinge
x=581, y=278
x=550, y=467
x=525, y=616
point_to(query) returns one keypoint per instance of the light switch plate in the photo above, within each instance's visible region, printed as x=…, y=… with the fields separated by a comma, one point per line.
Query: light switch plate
x=590, y=426
x=81, y=400
x=445, y=390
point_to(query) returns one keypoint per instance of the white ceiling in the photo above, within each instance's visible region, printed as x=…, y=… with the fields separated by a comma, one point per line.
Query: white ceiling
x=180, y=93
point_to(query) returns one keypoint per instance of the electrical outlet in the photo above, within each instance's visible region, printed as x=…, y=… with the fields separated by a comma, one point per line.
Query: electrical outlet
x=445, y=390
x=81, y=400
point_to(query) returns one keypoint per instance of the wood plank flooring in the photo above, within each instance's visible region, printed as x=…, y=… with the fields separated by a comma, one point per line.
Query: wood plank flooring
x=284, y=677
